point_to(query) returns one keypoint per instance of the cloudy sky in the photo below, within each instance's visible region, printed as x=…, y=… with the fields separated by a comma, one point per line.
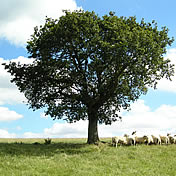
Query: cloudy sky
x=152, y=113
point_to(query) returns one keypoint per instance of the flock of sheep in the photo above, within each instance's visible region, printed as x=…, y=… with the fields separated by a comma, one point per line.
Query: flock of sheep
x=133, y=139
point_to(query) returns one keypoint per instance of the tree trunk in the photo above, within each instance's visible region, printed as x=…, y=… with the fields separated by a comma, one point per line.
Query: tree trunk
x=93, y=129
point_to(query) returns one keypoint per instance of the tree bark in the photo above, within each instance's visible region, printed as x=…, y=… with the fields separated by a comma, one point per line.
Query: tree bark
x=93, y=129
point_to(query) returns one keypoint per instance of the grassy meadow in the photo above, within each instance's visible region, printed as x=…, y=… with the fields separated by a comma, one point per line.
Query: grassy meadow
x=31, y=157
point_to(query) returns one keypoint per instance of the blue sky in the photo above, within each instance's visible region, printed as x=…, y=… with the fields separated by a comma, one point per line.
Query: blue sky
x=152, y=113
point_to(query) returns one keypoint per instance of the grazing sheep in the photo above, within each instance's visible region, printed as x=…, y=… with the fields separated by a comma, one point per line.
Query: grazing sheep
x=129, y=140
x=172, y=139
x=133, y=136
x=134, y=139
x=118, y=140
x=137, y=139
x=125, y=140
x=156, y=139
x=141, y=140
x=149, y=139
x=164, y=139
x=114, y=141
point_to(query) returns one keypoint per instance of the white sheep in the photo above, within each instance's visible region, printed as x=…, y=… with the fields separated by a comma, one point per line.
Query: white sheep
x=133, y=136
x=141, y=140
x=164, y=139
x=138, y=139
x=156, y=139
x=130, y=140
x=118, y=140
x=172, y=138
x=149, y=139
x=133, y=139
x=125, y=140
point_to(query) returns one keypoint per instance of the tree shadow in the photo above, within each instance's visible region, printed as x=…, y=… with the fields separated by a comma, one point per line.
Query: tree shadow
x=38, y=149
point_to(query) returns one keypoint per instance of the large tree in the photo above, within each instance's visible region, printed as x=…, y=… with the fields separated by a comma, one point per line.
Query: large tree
x=91, y=67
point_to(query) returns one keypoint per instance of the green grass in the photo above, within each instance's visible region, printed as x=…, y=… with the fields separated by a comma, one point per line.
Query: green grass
x=21, y=157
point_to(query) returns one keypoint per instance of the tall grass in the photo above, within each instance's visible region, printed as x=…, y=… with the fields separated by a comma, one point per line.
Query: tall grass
x=31, y=157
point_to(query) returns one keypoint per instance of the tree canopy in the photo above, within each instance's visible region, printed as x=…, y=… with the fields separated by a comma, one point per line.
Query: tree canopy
x=90, y=67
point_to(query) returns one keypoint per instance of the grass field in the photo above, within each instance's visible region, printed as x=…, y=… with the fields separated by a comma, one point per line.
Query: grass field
x=31, y=157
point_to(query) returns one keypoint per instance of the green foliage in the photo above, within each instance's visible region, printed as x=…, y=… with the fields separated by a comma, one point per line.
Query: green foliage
x=89, y=67
x=73, y=157
x=47, y=141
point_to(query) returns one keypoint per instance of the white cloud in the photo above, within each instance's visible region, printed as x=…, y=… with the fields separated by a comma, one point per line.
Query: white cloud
x=19, y=17
x=164, y=84
x=68, y=130
x=9, y=93
x=22, y=60
x=145, y=121
x=8, y=115
x=62, y=130
x=42, y=115
x=32, y=135
x=6, y=134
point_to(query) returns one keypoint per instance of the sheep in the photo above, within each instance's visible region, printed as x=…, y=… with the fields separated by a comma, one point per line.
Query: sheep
x=125, y=140
x=137, y=139
x=149, y=139
x=133, y=139
x=118, y=139
x=129, y=140
x=114, y=141
x=141, y=140
x=172, y=139
x=156, y=139
x=133, y=136
x=164, y=139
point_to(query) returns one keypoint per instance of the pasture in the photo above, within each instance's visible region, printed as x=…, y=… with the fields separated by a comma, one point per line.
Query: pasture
x=31, y=157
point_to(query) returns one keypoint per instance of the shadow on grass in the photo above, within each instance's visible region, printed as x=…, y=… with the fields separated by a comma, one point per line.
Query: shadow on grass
x=37, y=149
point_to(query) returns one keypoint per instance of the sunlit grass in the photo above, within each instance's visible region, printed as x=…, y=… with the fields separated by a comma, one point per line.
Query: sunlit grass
x=21, y=157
